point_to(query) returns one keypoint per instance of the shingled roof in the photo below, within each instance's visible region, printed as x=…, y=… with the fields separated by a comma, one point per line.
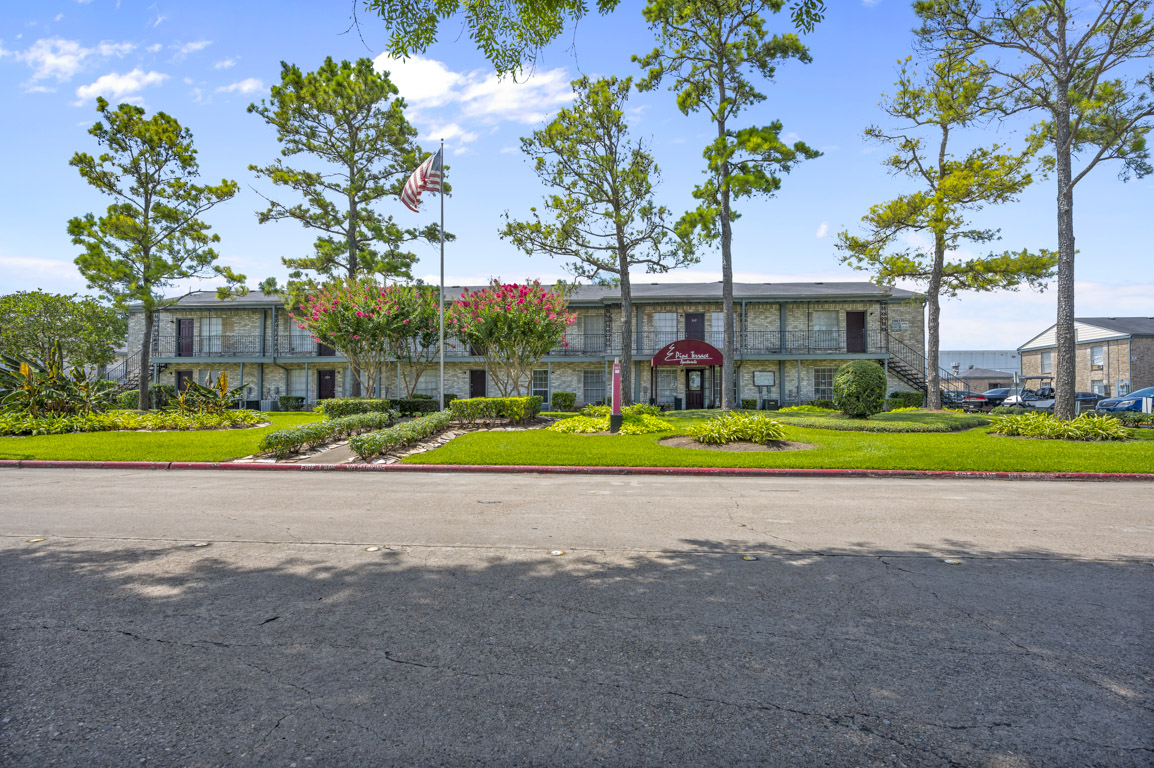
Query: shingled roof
x=608, y=294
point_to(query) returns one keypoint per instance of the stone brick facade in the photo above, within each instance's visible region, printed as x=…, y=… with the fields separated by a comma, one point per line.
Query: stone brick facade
x=1124, y=361
x=268, y=358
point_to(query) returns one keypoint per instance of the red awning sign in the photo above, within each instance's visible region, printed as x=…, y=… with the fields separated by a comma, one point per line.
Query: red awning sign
x=686, y=352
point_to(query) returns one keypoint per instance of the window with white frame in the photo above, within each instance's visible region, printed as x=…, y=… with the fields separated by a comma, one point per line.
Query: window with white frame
x=593, y=327
x=717, y=329
x=825, y=328
x=1047, y=362
x=666, y=385
x=1121, y=387
x=823, y=383
x=210, y=335
x=1098, y=387
x=428, y=384
x=300, y=340
x=1097, y=358
x=208, y=376
x=297, y=384
x=593, y=386
x=540, y=384
x=664, y=328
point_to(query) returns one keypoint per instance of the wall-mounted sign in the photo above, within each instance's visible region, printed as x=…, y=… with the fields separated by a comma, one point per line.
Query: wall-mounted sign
x=687, y=352
x=765, y=378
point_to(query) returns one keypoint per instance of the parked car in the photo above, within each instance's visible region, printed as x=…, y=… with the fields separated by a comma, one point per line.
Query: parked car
x=954, y=397
x=995, y=397
x=1130, y=402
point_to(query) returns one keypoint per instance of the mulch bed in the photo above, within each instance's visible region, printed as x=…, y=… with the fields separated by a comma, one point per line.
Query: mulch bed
x=773, y=445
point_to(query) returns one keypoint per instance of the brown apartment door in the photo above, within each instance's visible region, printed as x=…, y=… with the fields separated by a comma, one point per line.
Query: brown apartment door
x=695, y=325
x=477, y=383
x=184, y=337
x=694, y=389
x=855, y=331
x=182, y=379
x=326, y=384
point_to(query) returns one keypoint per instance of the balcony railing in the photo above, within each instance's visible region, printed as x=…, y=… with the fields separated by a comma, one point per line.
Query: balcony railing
x=575, y=344
x=205, y=345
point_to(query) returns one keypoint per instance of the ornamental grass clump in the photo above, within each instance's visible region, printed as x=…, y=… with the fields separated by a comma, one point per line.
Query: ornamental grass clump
x=732, y=427
x=633, y=422
x=15, y=423
x=1048, y=427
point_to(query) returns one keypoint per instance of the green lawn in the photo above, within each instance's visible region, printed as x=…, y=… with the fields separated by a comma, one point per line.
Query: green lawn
x=970, y=450
x=207, y=445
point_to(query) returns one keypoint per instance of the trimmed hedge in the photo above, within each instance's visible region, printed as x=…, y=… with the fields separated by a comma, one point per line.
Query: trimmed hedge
x=291, y=402
x=516, y=409
x=749, y=403
x=905, y=400
x=160, y=394
x=400, y=436
x=338, y=407
x=859, y=389
x=416, y=405
x=21, y=424
x=819, y=403
x=563, y=401
x=285, y=442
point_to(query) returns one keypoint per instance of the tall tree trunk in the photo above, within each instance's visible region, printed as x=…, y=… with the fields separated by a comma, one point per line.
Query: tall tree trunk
x=1064, y=374
x=728, y=390
x=626, y=332
x=933, y=380
x=143, y=402
x=355, y=384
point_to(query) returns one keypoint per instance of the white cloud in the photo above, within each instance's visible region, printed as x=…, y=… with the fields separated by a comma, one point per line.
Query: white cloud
x=58, y=17
x=870, y=3
x=117, y=87
x=193, y=47
x=451, y=133
x=32, y=272
x=248, y=85
x=508, y=150
x=823, y=230
x=154, y=48
x=60, y=60
x=478, y=97
x=158, y=20
x=226, y=64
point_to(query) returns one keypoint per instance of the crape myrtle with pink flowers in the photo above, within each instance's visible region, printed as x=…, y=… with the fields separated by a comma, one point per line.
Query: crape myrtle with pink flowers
x=512, y=326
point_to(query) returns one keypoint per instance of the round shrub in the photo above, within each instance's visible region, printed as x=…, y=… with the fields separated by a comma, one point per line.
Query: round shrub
x=859, y=389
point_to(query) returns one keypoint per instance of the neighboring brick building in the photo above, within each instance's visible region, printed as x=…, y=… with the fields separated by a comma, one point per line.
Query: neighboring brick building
x=982, y=379
x=1113, y=355
x=791, y=335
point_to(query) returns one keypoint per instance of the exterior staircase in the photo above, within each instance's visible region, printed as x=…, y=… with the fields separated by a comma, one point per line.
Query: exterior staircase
x=126, y=373
x=910, y=365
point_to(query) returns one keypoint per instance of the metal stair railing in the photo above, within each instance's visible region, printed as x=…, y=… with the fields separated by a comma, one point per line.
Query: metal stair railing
x=911, y=365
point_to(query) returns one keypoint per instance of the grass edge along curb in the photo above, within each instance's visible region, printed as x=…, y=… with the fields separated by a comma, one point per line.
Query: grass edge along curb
x=532, y=469
x=285, y=442
x=400, y=435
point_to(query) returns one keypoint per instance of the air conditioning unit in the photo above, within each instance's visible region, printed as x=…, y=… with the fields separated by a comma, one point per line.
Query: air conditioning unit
x=270, y=405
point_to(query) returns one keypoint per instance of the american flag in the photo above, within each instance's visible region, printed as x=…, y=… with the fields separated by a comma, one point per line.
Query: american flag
x=426, y=178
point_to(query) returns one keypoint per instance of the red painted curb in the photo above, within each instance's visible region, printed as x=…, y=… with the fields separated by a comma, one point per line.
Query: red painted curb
x=571, y=470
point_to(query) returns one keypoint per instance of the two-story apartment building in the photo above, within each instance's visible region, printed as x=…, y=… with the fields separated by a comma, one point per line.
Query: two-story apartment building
x=791, y=338
x=1112, y=355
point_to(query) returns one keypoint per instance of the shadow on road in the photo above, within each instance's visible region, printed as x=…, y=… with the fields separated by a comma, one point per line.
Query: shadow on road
x=130, y=652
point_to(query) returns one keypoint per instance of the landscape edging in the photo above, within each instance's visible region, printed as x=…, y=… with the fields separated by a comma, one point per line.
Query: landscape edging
x=577, y=470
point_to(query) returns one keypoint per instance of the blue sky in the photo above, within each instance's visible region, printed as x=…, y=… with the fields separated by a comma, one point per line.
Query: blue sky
x=204, y=62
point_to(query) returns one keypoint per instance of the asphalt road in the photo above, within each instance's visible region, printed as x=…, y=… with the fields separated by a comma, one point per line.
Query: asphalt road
x=461, y=640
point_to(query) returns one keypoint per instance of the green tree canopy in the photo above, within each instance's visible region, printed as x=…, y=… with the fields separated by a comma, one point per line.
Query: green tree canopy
x=1074, y=66
x=152, y=233
x=601, y=212
x=509, y=34
x=709, y=51
x=953, y=95
x=356, y=150
x=86, y=331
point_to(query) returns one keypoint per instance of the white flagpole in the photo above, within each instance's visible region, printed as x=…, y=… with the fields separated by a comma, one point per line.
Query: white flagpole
x=441, y=402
